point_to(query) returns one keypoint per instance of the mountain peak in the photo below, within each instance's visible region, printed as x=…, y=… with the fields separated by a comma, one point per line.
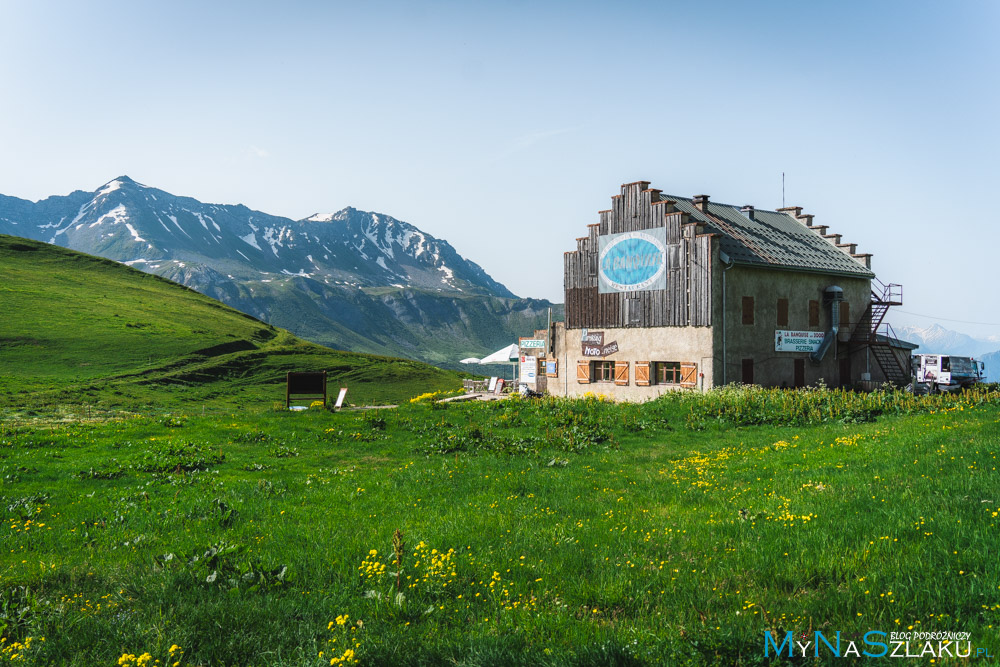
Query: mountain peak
x=321, y=217
x=116, y=184
x=132, y=222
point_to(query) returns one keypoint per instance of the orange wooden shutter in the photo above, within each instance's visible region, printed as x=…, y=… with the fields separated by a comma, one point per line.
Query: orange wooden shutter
x=583, y=372
x=621, y=372
x=642, y=373
x=689, y=374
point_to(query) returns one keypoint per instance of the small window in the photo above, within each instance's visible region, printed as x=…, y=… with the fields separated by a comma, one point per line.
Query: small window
x=666, y=372
x=634, y=312
x=814, y=313
x=748, y=310
x=782, y=313
x=602, y=371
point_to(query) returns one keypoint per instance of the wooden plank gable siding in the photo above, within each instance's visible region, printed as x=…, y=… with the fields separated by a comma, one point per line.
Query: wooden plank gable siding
x=687, y=300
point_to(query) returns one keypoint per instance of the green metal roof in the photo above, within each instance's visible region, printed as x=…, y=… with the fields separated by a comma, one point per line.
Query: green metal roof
x=773, y=239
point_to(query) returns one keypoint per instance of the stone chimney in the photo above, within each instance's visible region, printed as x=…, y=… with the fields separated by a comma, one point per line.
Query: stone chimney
x=865, y=258
x=701, y=203
x=747, y=210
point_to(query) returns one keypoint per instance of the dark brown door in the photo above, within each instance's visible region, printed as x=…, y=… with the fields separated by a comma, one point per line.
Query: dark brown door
x=748, y=371
x=845, y=372
x=800, y=372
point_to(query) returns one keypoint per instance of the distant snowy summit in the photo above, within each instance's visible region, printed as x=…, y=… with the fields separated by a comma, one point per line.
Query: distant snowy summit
x=936, y=339
x=322, y=217
x=160, y=232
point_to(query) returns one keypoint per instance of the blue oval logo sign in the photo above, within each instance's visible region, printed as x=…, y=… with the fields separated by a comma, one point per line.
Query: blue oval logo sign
x=632, y=261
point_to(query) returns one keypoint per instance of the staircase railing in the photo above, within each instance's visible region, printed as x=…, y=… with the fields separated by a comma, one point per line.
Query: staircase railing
x=891, y=294
x=888, y=334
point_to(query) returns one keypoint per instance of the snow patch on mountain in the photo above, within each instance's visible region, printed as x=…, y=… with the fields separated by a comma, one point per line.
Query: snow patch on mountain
x=321, y=217
x=135, y=234
x=173, y=219
x=51, y=225
x=274, y=241
x=449, y=275
x=117, y=215
x=200, y=218
x=108, y=188
x=250, y=239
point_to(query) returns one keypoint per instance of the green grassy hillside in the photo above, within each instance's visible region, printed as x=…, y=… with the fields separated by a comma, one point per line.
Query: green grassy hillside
x=84, y=330
x=547, y=533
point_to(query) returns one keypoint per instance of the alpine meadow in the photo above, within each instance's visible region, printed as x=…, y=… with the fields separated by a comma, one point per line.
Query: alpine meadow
x=162, y=507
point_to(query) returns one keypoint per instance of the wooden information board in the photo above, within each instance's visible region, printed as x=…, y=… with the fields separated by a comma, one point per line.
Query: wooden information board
x=305, y=387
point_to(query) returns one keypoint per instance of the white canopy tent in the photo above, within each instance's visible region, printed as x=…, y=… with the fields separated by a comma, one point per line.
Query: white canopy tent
x=505, y=355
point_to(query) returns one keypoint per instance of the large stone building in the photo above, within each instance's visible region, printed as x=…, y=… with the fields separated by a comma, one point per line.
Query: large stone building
x=670, y=292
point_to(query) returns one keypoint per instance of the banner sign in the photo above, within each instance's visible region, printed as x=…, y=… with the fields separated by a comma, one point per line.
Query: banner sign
x=590, y=350
x=797, y=341
x=529, y=369
x=593, y=338
x=529, y=343
x=632, y=261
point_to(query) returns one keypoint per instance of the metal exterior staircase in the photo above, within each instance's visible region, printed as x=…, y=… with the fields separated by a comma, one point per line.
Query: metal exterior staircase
x=866, y=333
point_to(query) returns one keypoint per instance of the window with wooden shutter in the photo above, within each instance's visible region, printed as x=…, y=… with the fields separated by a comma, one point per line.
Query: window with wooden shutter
x=845, y=314
x=782, y=313
x=748, y=310
x=689, y=374
x=621, y=372
x=666, y=372
x=813, y=313
x=642, y=373
x=602, y=371
x=583, y=372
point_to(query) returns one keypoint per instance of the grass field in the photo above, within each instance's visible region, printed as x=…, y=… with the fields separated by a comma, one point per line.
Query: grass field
x=79, y=331
x=545, y=533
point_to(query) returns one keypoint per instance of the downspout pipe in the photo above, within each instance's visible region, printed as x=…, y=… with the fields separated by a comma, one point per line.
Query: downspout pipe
x=727, y=264
x=832, y=295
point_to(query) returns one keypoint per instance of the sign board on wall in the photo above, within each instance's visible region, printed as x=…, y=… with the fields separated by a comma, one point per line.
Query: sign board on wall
x=797, y=341
x=529, y=369
x=532, y=343
x=632, y=261
x=593, y=345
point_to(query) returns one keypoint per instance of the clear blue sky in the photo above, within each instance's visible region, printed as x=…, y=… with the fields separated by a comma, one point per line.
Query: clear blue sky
x=518, y=121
